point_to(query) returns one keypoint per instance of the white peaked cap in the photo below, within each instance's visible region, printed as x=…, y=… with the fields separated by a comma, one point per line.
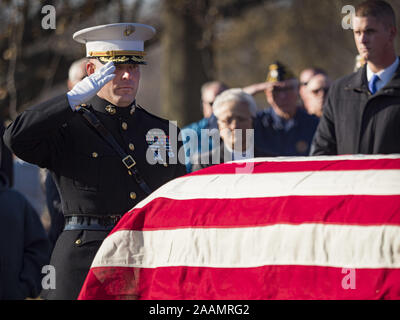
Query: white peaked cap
x=113, y=40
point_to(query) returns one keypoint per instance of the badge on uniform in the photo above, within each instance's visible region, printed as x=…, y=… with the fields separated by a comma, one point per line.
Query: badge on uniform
x=158, y=147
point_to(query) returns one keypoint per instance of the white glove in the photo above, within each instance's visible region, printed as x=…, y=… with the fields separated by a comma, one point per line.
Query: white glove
x=87, y=88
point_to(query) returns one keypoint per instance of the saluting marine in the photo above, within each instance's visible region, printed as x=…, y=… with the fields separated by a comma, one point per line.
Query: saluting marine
x=99, y=145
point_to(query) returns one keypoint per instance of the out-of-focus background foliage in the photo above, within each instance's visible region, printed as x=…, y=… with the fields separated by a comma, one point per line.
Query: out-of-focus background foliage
x=197, y=40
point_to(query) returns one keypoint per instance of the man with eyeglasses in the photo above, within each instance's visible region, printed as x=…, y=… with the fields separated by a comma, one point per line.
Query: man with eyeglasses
x=284, y=129
x=305, y=77
x=317, y=90
x=235, y=111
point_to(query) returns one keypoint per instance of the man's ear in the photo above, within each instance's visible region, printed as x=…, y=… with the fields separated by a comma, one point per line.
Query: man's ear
x=90, y=68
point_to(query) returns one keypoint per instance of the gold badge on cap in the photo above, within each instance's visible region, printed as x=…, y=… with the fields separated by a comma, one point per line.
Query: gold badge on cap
x=273, y=73
x=278, y=72
x=129, y=30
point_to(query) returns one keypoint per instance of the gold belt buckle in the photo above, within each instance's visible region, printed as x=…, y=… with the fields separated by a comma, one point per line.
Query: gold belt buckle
x=128, y=161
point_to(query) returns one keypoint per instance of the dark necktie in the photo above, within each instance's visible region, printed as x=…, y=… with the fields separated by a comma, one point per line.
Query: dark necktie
x=372, y=83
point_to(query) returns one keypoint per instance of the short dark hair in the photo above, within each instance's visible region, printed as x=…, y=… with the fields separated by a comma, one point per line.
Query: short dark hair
x=378, y=9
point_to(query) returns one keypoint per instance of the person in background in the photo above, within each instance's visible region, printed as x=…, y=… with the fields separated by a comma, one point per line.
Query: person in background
x=359, y=63
x=27, y=180
x=362, y=112
x=235, y=111
x=317, y=90
x=284, y=129
x=76, y=72
x=191, y=134
x=304, y=78
x=24, y=247
x=6, y=160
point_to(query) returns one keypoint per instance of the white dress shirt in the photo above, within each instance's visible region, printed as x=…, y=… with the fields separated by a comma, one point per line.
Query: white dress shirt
x=384, y=75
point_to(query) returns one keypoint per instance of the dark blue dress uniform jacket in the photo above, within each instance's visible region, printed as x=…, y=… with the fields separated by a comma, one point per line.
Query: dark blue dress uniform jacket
x=89, y=174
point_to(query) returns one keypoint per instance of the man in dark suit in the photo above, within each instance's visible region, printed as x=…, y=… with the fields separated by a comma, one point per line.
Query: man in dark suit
x=362, y=111
x=105, y=152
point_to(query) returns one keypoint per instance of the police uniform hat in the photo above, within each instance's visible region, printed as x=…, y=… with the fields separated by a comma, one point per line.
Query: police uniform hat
x=118, y=42
x=278, y=72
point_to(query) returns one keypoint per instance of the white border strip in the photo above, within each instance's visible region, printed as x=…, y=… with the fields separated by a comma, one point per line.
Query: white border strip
x=281, y=244
x=310, y=183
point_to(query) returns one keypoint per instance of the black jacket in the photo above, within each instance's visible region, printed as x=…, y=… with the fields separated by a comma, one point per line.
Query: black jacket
x=24, y=247
x=89, y=174
x=356, y=122
x=6, y=160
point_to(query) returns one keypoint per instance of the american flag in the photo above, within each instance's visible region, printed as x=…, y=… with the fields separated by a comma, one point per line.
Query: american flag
x=269, y=228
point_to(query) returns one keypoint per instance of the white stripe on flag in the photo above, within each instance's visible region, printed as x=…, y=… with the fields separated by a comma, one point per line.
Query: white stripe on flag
x=309, y=183
x=322, y=158
x=281, y=244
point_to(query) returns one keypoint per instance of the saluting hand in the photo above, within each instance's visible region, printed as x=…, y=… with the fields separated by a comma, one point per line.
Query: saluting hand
x=87, y=88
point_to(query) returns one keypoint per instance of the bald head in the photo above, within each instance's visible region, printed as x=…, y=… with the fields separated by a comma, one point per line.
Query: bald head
x=209, y=91
x=77, y=72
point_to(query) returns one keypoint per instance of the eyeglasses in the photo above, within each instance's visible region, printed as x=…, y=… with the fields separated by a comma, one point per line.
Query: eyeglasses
x=317, y=91
x=228, y=121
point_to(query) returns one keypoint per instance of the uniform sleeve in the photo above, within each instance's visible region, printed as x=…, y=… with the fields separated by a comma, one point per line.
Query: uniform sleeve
x=324, y=142
x=36, y=253
x=36, y=136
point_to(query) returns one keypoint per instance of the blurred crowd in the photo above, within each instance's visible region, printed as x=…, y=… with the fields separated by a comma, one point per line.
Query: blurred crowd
x=284, y=126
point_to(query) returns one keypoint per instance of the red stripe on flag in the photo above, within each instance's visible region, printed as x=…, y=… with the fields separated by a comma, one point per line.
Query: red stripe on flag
x=268, y=282
x=300, y=166
x=162, y=213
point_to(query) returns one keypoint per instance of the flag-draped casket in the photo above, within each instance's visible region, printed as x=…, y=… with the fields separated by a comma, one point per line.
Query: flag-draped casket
x=273, y=228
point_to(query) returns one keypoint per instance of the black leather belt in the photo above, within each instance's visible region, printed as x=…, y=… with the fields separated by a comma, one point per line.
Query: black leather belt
x=106, y=223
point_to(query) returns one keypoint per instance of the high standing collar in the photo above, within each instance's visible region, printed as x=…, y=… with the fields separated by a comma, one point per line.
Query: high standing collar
x=105, y=107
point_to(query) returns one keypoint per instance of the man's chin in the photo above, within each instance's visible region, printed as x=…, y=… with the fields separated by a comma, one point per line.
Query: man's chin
x=124, y=101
